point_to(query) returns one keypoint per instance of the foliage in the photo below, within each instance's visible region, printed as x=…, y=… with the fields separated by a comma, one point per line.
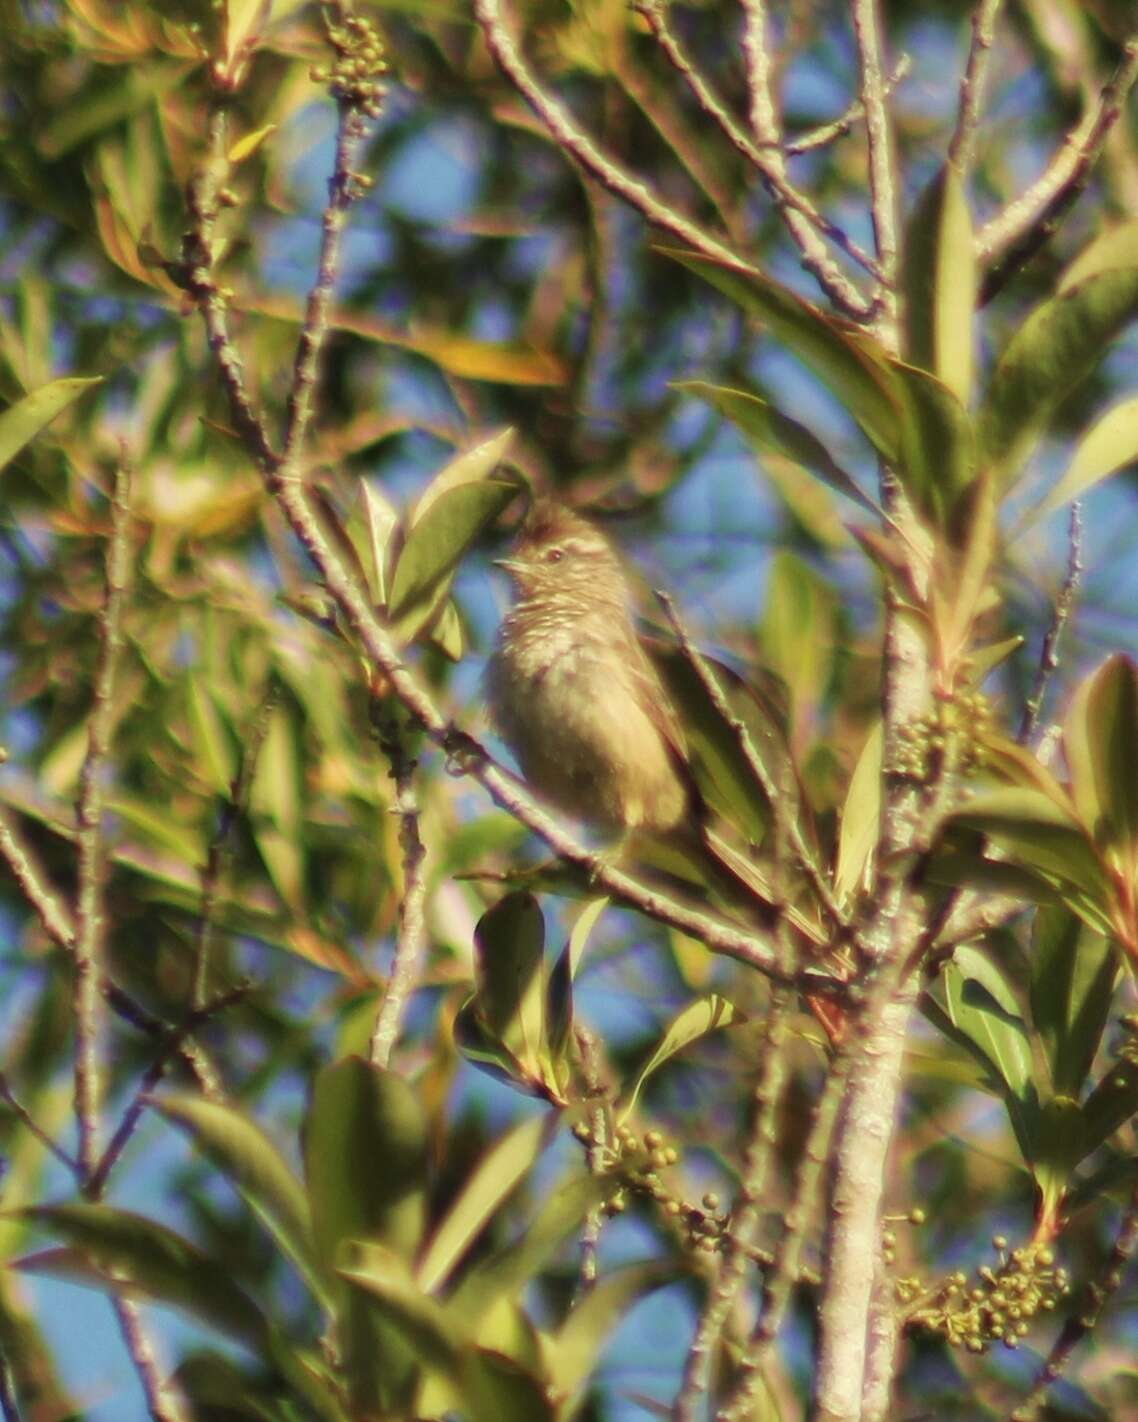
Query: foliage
x=475, y=1107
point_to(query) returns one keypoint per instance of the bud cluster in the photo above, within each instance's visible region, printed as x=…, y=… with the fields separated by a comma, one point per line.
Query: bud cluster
x=998, y=1306
x=950, y=736
x=354, y=78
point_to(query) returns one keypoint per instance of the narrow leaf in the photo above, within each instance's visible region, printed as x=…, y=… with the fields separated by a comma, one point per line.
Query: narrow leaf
x=1108, y=446
x=238, y=1147
x=21, y=422
x=115, y=1248
x=708, y=1014
x=770, y=430
x=939, y=283
x=1073, y=973
x=1056, y=348
x=365, y=1157
x=496, y=1175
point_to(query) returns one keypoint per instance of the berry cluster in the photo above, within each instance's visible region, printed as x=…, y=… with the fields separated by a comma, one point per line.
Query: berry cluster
x=638, y=1165
x=997, y=1307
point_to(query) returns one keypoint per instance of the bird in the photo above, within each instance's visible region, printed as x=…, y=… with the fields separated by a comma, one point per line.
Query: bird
x=571, y=689
x=576, y=697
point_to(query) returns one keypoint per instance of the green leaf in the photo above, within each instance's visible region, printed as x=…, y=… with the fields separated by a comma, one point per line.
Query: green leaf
x=21, y=422
x=1108, y=446
x=1114, y=248
x=708, y=1014
x=508, y=1271
x=1112, y=1104
x=1033, y=831
x=1073, y=973
x=214, y=758
x=991, y=1021
x=913, y=421
x=847, y=363
x=861, y=819
x=237, y=1146
x=481, y=1387
x=365, y=1146
x=800, y=632
x=722, y=771
x=493, y=1179
x=937, y=464
x=939, y=283
x=1056, y=348
x=1058, y=1144
x=509, y=977
x=459, y=503
x=559, y=991
x=572, y=1353
x=1100, y=737
x=426, y=1326
x=770, y=430
x=110, y=1247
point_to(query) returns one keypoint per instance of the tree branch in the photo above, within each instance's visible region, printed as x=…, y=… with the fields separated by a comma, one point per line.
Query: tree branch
x=844, y=123
x=87, y=949
x=573, y=140
x=882, y=182
x=162, y=1404
x=219, y=847
x=412, y=923
x=963, y=144
x=727, y=1282
x=768, y=159
x=1014, y=236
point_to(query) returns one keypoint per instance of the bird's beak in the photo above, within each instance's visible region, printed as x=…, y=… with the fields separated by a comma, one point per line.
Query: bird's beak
x=514, y=566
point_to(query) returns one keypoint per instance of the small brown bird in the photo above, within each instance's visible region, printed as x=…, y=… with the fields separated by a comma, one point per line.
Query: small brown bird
x=571, y=689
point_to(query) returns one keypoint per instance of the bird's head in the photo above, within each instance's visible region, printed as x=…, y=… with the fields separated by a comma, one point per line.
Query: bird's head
x=559, y=556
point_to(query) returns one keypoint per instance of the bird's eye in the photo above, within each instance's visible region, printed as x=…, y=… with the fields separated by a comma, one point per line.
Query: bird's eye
x=554, y=555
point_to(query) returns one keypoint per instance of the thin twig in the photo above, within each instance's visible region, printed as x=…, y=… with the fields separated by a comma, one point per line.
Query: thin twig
x=598, y=1154
x=1013, y=236
x=727, y=1282
x=412, y=919
x=33, y=884
x=161, y=1403
x=882, y=179
x=963, y=144
x=768, y=135
x=778, y=1285
x=670, y=122
x=1076, y=1328
x=192, y=1053
x=789, y=821
x=342, y=191
x=88, y=814
x=768, y=160
x=24, y=1115
x=168, y=1050
x=57, y=924
x=844, y=123
x=572, y=139
x=1064, y=604
x=220, y=847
